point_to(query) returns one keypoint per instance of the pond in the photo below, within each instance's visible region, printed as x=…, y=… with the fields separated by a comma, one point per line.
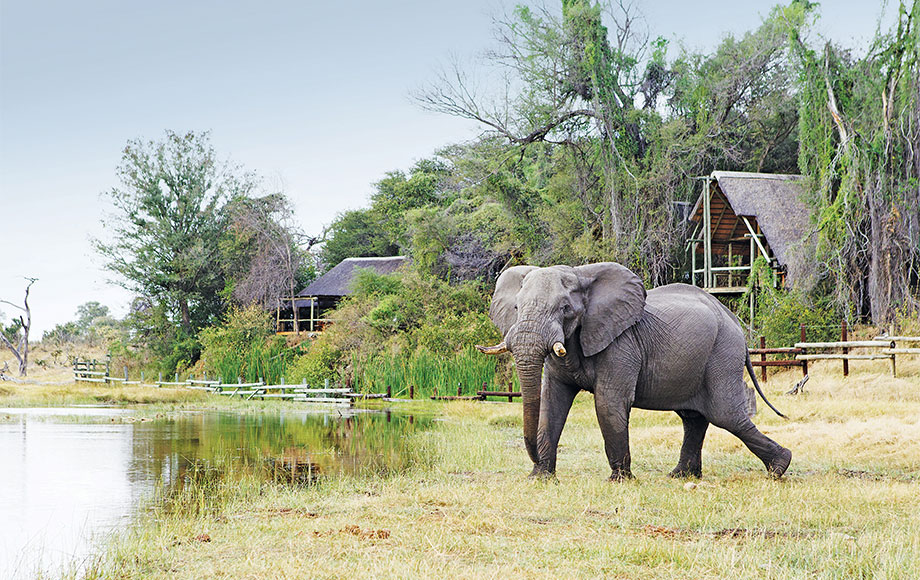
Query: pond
x=71, y=476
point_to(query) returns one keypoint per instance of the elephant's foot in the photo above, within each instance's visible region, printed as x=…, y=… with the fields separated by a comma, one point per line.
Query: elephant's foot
x=541, y=473
x=621, y=474
x=778, y=465
x=686, y=471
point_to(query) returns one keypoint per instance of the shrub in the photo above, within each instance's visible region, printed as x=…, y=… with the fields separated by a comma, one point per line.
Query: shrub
x=316, y=366
x=779, y=313
x=244, y=346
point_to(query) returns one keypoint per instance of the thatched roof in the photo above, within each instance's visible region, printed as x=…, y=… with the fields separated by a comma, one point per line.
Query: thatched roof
x=775, y=201
x=337, y=281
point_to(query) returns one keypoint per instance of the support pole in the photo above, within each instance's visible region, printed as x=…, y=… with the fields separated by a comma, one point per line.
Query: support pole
x=763, y=358
x=843, y=338
x=802, y=339
x=693, y=263
x=707, y=234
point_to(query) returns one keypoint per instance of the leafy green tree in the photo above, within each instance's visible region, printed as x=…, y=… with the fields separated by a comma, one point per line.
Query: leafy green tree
x=396, y=194
x=89, y=312
x=168, y=222
x=357, y=233
x=599, y=111
x=859, y=130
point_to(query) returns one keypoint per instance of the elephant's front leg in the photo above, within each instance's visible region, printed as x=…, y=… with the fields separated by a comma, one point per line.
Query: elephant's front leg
x=555, y=402
x=614, y=422
x=613, y=400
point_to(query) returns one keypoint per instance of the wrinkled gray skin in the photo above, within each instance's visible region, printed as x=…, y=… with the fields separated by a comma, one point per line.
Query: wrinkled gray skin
x=675, y=348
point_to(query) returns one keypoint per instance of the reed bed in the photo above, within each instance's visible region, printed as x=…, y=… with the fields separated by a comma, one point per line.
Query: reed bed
x=429, y=374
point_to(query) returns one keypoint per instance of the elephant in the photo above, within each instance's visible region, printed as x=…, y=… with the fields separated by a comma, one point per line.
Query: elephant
x=595, y=328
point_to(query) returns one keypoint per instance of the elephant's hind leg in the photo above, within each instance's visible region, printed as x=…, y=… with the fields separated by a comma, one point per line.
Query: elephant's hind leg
x=690, y=463
x=775, y=457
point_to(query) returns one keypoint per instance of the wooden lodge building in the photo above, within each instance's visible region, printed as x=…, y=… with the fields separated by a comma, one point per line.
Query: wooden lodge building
x=741, y=216
x=310, y=305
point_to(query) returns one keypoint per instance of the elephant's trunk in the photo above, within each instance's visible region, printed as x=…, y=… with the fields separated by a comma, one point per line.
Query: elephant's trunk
x=530, y=348
x=530, y=371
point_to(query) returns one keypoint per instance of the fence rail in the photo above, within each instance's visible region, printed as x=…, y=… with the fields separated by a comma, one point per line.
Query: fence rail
x=260, y=390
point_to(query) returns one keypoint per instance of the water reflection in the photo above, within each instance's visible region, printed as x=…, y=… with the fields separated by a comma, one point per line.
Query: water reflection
x=69, y=476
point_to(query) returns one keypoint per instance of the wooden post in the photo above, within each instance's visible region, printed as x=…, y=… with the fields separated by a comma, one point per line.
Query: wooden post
x=142, y=377
x=459, y=389
x=389, y=392
x=894, y=370
x=126, y=373
x=763, y=358
x=802, y=339
x=312, y=313
x=843, y=338
x=730, y=280
x=693, y=264
x=295, y=310
x=707, y=236
x=411, y=391
x=510, y=390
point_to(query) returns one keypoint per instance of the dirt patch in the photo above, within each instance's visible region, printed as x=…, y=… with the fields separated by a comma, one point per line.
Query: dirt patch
x=355, y=530
x=291, y=512
x=738, y=533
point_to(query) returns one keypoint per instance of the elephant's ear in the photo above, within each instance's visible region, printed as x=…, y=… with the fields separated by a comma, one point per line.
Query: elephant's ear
x=502, y=310
x=614, y=301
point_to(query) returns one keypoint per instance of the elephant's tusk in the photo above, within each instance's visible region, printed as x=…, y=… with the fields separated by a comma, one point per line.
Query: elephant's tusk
x=559, y=349
x=497, y=349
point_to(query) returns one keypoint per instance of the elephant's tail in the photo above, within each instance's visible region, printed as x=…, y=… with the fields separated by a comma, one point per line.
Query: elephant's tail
x=750, y=369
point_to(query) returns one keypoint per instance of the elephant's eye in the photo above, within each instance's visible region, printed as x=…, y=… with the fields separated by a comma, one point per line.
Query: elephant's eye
x=566, y=308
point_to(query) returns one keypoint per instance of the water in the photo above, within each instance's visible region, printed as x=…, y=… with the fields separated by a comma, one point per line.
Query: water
x=69, y=477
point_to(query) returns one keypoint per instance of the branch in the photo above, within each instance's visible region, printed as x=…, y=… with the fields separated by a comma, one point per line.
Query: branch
x=832, y=102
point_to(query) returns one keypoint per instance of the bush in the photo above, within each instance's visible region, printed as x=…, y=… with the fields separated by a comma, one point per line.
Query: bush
x=244, y=346
x=316, y=366
x=397, y=330
x=779, y=314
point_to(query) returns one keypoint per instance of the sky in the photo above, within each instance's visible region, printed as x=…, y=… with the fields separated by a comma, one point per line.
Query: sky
x=313, y=96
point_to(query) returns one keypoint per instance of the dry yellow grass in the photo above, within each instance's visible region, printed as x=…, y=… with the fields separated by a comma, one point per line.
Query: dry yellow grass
x=849, y=506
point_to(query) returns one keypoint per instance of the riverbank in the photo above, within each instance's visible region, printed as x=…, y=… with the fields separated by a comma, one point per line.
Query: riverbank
x=848, y=506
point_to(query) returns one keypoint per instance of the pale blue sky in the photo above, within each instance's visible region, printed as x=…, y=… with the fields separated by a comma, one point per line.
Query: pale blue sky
x=311, y=95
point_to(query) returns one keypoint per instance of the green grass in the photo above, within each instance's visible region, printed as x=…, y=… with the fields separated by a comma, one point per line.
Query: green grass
x=849, y=506
x=430, y=374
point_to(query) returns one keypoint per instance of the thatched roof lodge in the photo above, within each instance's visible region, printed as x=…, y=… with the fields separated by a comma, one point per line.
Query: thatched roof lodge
x=325, y=292
x=740, y=216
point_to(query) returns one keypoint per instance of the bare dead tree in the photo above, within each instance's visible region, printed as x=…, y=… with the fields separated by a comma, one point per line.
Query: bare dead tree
x=277, y=250
x=21, y=349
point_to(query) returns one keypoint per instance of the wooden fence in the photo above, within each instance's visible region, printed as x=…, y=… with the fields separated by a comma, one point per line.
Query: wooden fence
x=879, y=348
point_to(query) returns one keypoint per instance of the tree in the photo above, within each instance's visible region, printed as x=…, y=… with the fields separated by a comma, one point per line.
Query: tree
x=93, y=322
x=18, y=332
x=859, y=130
x=359, y=232
x=266, y=256
x=168, y=222
x=610, y=135
x=89, y=312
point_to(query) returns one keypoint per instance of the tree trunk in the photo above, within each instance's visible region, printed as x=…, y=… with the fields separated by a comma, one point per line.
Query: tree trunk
x=186, y=317
x=21, y=351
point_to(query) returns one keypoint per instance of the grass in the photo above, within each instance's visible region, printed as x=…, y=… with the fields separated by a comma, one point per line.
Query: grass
x=849, y=506
x=429, y=373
